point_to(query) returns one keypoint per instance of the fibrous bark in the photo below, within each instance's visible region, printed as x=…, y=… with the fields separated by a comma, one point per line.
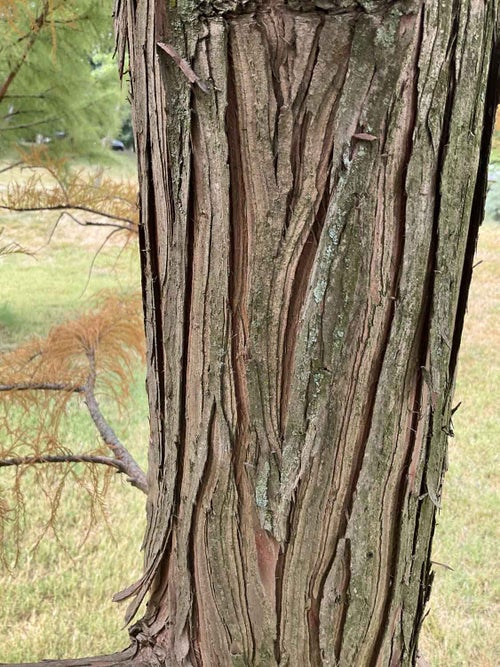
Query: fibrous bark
x=309, y=220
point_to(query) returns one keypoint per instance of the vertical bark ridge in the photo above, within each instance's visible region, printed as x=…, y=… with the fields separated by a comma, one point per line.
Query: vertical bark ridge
x=477, y=212
x=299, y=127
x=187, y=410
x=435, y=388
x=239, y=285
x=414, y=389
x=475, y=27
x=205, y=606
x=298, y=292
x=238, y=299
x=391, y=490
x=339, y=514
x=197, y=542
x=156, y=206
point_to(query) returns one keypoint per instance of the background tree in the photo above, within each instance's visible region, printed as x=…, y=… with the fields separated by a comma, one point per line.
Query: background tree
x=55, y=75
x=312, y=181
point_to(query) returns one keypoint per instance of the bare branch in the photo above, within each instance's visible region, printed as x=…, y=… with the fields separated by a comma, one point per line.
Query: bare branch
x=70, y=207
x=123, y=461
x=43, y=386
x=126, y=657
x=136, y=475
x=13, y=248
x=96, y=255
x=37, y=96
x=23, y=126
x=128, y=226
x=62, y=458
x=11, y=166
x=75, y=342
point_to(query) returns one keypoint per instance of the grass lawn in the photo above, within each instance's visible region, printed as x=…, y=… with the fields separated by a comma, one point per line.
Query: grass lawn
x=463, y=624
x=57, y=601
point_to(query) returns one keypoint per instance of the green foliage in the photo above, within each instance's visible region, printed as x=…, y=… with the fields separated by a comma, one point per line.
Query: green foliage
x=57, y=77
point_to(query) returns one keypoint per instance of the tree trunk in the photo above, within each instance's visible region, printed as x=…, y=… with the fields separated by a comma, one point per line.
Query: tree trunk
x=312, y=180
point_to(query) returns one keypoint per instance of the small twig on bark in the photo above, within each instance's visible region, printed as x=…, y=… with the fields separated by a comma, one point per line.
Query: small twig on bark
x=184, y=66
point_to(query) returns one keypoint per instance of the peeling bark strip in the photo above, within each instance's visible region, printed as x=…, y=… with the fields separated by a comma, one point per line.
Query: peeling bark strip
x=305, y=227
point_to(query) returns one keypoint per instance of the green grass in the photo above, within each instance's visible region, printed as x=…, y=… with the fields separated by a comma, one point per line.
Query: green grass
x=57, y=601
x=463, y=624
x=38, y=292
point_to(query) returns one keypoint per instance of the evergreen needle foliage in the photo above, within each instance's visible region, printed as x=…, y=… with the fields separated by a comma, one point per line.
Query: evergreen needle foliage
x=57, y=78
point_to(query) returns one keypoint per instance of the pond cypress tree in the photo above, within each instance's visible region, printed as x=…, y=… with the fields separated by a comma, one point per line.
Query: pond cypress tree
x=312, y=181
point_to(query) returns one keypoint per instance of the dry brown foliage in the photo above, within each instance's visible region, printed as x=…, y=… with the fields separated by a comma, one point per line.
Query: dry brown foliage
x=76, y=365
x=112, y=332
x=89, y=197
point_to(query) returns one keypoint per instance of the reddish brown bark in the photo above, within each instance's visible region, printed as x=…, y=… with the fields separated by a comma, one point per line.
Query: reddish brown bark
x=303, y=268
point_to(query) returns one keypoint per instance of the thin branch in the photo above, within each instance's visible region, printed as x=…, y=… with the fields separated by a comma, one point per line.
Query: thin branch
x=69, y=207
x=126, y=656
x=14, y=249
x=127, y=226
x=23, y=126
x=62, y=458
x=88, y=223
x=123, y=461
x=136, y=475
x=19, y=112
x=43, y=386
x=96, y=255
x=33, y=34
x=11, y=166
x=37, y=96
